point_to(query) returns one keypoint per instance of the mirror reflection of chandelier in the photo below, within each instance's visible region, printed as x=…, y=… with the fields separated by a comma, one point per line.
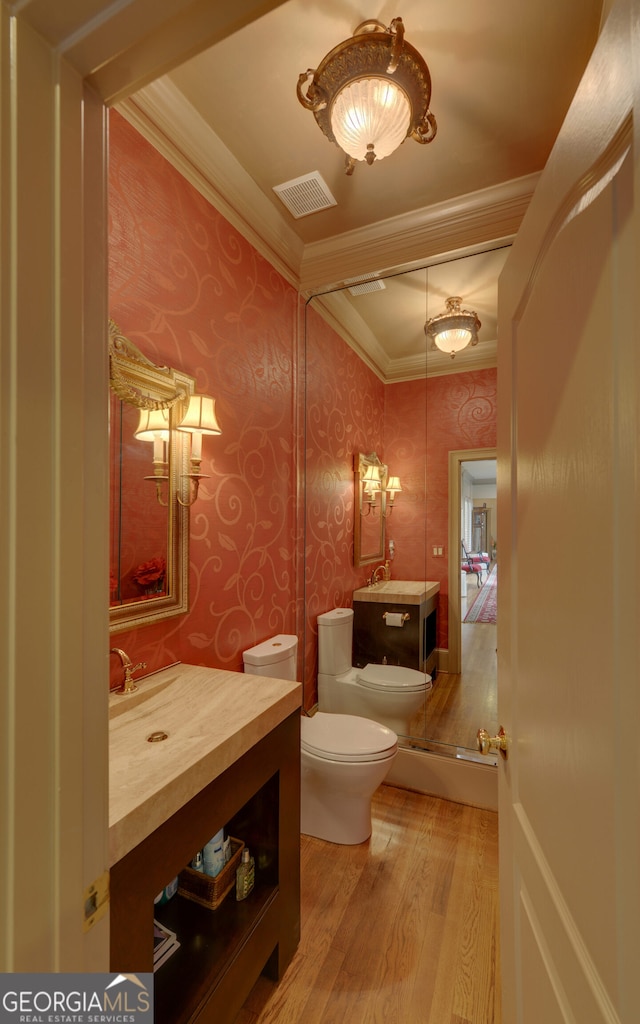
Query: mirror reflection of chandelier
x=370, y=93
x=454, y=329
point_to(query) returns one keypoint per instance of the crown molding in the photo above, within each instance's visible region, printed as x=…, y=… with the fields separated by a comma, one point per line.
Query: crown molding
x=174, y=127
x=462, y=224
x=162, y=114
x=336, y=311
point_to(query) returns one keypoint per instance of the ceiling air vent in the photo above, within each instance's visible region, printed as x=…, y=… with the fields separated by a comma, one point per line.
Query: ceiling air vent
x=368, y=284
x=305, y=195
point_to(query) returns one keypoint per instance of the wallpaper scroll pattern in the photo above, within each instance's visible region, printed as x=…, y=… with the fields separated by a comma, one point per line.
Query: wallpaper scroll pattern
x=454, y=412
x=344, y=415
x=192, y=293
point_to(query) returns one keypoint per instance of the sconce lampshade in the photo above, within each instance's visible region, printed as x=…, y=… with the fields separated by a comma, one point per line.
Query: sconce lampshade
x=371, y=480
x=153, y=425
x=370, y=93
x=454, y=329
x=393, y=486
x=200, y=417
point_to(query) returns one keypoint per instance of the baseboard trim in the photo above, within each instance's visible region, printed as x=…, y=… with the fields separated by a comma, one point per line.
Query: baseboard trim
x=451, y=778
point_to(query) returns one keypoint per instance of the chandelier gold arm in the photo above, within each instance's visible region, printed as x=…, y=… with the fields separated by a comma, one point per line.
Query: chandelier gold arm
x=315, y=98
x=396, y=28
x=426, y=130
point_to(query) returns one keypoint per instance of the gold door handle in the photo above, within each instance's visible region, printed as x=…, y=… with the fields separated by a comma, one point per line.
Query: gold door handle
x=487, y=743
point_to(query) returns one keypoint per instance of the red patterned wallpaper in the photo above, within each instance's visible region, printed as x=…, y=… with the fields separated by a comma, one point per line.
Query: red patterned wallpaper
x=455, y=412
x=344, y=415
x=193, y=294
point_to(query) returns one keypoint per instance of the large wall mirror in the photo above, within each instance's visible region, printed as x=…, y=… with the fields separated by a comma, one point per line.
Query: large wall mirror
x=375, y=384
x=149, y=526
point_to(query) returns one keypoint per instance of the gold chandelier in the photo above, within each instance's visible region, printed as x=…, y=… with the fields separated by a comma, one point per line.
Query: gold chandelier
x=370, y=93
x=454, y=329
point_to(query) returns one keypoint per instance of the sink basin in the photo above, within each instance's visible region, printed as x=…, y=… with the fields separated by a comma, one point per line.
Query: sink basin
x=119, y=703
x=211, y=717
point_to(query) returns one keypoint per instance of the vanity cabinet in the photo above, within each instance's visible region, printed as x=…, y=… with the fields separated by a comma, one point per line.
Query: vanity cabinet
x=413, y=644
x=222, y=952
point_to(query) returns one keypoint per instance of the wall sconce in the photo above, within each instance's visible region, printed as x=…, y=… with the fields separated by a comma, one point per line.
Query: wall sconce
x=154, y=426
x=371, y=486
x=199, y=419
x=370, y=93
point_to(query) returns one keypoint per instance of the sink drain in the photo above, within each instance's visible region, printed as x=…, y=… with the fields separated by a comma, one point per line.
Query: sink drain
x=156, y=737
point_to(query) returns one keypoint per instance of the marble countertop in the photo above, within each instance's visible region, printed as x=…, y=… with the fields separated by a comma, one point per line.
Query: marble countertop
x=212, y=717
x=398, y=591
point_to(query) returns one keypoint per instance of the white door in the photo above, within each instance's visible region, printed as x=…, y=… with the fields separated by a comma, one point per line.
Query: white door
x=569, y=606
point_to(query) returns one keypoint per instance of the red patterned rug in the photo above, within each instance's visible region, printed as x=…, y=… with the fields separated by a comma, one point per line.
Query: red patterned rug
x=485, y=606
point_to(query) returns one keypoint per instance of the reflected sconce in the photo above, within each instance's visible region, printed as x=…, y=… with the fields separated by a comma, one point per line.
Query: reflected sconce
x=370, y=93
x=371, y=488
x=199, y=419
x=393, y=487
x=154, y=426
x=454, y=329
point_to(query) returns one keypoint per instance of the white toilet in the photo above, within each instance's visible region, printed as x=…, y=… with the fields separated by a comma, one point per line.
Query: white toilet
x=344, y=758
x=389, y=694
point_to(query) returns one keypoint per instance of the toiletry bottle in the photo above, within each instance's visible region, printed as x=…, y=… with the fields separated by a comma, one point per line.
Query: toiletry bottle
x=213, y=854
x=198, y=863
x=387, y=570
x=245, y=876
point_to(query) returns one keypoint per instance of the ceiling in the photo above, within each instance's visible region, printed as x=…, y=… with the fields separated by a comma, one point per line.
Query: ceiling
x=481, y=471
x=440, y=217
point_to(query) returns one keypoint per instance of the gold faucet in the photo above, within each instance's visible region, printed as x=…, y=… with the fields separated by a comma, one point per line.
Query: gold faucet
x=128, y=686
x=374, y=575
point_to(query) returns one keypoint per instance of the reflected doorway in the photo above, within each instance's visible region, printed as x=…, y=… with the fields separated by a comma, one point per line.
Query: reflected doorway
x=472, y=516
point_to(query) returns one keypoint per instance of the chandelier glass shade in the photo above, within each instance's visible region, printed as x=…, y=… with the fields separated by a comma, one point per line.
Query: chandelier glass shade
x=370, y=109
x=454, y=329
x=370, y=93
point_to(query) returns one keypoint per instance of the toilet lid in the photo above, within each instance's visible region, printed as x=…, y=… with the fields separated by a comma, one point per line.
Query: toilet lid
x=393, y=679
x=347, y=738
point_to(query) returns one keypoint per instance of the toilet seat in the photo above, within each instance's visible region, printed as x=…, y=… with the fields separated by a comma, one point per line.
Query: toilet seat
x=393, y=679
x=346, y=738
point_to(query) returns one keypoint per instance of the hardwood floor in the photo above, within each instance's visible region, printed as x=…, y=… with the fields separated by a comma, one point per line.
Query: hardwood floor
x=460, y=703
x=402, y=929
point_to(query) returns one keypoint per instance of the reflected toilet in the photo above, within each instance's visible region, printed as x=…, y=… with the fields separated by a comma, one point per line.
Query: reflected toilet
x=389, y=694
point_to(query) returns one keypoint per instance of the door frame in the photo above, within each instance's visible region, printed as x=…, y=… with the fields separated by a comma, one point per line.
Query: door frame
x=456, y=458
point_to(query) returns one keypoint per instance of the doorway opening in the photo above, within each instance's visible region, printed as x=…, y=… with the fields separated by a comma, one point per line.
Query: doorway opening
x=473, y=547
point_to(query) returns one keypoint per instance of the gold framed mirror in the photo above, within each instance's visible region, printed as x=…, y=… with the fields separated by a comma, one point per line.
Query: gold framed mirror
x=370, y=478
x=149, y=478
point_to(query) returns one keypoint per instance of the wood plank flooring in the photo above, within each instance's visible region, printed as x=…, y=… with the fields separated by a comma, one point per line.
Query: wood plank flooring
x=402, y=929
x=459, y=704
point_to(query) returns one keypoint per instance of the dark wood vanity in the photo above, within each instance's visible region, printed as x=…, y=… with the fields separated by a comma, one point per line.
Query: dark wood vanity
x=413, y=644
x=222, y=952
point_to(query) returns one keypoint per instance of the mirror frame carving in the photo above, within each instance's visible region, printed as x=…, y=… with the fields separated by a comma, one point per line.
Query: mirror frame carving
x=139, y=382
x=360, y=465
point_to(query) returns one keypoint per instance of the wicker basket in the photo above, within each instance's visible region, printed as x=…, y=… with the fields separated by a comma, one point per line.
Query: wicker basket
x=210, y=891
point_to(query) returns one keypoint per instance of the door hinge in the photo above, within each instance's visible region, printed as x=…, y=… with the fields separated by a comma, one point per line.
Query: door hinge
x=96, y=901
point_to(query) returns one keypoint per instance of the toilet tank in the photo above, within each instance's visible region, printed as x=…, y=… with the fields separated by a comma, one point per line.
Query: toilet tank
x=275, y=657
x=335, y=633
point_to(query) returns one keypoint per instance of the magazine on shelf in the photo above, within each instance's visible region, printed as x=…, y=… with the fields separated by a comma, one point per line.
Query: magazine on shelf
x=165, y=942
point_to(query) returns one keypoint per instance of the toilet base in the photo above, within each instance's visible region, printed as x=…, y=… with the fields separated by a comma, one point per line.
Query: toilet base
x=336, y=797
